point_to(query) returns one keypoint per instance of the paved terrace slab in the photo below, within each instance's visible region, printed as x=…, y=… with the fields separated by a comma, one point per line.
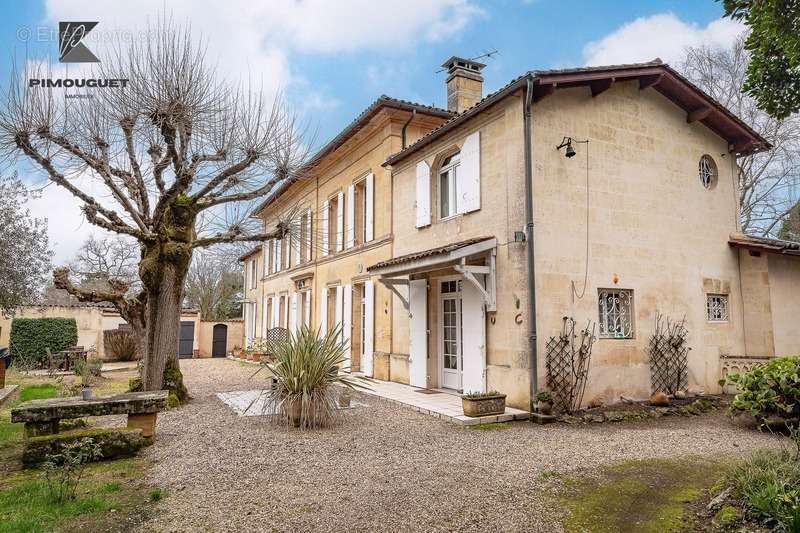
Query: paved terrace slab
x=444, y=405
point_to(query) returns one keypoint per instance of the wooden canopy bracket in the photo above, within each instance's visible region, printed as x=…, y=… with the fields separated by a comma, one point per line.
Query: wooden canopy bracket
x=490, y=291
x=649, y=81
x=391, y=284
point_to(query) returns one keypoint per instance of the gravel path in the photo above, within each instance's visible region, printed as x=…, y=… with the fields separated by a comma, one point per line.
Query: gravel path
x=385, y=468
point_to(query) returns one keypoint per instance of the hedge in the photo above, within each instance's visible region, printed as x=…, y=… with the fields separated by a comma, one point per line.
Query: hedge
x=31, y=336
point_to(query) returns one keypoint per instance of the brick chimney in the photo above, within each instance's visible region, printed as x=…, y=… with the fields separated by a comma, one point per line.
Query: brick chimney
x=464, y=83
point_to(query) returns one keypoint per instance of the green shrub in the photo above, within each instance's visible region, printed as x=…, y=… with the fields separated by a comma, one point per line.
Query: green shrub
x=769, y=486
x=769, y=390
x=30, y=338
x=120, y=345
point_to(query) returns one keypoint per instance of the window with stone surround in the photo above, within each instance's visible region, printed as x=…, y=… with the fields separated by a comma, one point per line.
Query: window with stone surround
x=615, y=308
x=717, y=307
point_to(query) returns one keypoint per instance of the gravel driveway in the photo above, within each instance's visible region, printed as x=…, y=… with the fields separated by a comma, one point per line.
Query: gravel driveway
x=385, y=468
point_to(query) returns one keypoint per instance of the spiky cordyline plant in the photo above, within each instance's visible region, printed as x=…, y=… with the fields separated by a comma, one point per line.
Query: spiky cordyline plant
x=308, y=381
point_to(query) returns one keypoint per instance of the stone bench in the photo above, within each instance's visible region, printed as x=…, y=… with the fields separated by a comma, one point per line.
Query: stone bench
x=42, y=417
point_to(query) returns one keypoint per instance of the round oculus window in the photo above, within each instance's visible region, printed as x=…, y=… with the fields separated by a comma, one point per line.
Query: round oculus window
x=707, y=171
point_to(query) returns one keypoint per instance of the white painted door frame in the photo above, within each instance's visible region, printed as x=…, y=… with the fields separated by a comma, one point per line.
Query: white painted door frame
x=458, y=374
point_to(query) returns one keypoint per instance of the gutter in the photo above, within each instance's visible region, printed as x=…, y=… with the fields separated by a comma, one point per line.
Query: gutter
x=527, y=126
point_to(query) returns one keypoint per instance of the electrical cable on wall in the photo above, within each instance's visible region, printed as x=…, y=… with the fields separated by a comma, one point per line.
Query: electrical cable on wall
x=569, y=153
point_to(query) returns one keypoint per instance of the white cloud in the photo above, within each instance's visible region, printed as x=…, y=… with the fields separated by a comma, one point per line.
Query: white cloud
x=256, y=41
x=663, y=35
x=66, y=226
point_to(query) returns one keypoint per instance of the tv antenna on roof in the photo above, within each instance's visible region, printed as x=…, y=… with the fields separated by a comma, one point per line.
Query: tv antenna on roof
x=487, y=54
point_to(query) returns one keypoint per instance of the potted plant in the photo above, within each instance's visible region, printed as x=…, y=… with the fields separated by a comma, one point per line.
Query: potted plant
x=237, y=350
x=306, y=388
x=483, y=403
x=84, y=372
x=544, y=402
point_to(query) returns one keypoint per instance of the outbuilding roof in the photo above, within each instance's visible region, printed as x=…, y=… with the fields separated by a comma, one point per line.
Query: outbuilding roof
x=764, y=244
x=656, y=74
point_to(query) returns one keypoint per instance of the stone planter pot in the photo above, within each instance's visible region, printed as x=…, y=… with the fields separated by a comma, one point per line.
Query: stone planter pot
x=86, y=394
x=484, y=406
x=544, y=408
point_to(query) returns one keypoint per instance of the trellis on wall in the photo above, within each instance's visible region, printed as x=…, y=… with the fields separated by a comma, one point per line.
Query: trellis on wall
x=567, y=359
x=669, y=355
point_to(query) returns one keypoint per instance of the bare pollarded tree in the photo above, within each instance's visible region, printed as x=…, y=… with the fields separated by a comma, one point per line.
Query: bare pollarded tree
x=768, y=182
x=173, y=146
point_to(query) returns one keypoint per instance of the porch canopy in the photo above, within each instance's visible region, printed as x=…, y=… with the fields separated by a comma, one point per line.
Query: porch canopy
x=474, y=261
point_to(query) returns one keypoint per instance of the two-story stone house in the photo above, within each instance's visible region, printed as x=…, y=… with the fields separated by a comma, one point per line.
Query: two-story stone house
x=339, y=210
x=605, y=194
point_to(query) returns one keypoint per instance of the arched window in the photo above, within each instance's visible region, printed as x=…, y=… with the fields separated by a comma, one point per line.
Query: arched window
x=447, y=185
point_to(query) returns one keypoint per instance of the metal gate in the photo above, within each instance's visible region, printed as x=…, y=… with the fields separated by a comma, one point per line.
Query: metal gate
x=186, y=340
x=219, y=341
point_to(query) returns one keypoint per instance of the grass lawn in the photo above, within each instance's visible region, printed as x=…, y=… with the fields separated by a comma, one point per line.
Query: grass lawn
x=642, y=496
x=111, y=493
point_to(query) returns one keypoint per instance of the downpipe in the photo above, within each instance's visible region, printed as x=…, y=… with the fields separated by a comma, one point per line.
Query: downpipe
x=527, y=125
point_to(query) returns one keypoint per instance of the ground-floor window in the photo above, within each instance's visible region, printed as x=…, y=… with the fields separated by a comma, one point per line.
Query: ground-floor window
x=615, y=313
x=717, y=307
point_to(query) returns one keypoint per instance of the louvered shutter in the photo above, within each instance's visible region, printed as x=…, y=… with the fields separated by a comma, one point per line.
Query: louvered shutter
x=423, y=190
x=468, y=175
x=350, y=207
x=369, y=328
x=369, y=231
x=340, y=222
x=325, y=220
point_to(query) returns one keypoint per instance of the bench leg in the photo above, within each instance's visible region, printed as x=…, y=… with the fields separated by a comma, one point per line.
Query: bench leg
x=147, y=423
x=36, y=429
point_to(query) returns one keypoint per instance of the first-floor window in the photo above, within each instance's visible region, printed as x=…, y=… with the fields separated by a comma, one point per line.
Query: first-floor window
x=447, y=186
x=717, y=307
x=615, y=308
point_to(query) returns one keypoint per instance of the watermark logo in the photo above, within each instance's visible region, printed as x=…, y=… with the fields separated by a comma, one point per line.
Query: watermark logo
x=70, y=47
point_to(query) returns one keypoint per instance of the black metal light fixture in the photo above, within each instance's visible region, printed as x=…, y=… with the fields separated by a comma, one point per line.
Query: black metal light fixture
x=567, y=142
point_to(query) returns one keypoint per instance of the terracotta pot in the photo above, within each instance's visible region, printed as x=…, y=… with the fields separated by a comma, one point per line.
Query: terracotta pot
x=544, y=408
x=484, y=406
x=255, y=357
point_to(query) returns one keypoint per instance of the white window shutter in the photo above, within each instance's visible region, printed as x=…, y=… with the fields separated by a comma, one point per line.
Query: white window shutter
x=340, y=222
x=324, y=221
x=369, y=218
x=347, y=325
x=350, y=207
x=298, y=245
x=309, y=236
x=278, y=254
x=369, y=328
x=265, y=249
x=337, y=312
x=293, y=314
x=418, y=338
x=473, y=331
x=423, y=194
x=323, y=312
x=264, y=317
x=468, y=175
x=288, y=251
x=307, y=308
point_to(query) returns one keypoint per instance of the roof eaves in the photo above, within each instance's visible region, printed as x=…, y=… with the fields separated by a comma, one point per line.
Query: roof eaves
x=540, y=76
x=381, y=102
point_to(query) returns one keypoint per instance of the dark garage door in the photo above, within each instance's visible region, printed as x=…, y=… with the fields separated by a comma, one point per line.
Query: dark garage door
x=186, y=342
x=220, y=340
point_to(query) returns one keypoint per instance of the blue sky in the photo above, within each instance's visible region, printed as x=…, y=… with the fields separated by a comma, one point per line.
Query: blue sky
x=331, y=59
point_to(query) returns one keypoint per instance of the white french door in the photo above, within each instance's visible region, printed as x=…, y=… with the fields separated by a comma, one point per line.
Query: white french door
x=451, y=354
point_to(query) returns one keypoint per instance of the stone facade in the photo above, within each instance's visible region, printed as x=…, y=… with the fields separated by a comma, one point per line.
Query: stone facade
x=627, y=215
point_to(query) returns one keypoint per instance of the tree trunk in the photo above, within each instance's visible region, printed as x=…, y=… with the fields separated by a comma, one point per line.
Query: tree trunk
x=163, y=326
